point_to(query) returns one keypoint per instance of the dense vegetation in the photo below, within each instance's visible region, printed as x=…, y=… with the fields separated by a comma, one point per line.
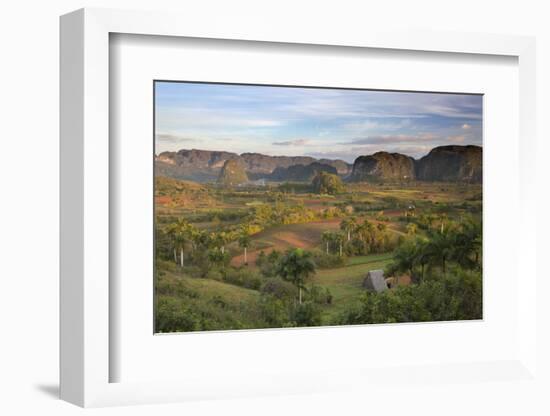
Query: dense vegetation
x=295, y=254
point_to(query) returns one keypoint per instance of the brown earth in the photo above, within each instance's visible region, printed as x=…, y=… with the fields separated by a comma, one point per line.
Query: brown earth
x=307, y=236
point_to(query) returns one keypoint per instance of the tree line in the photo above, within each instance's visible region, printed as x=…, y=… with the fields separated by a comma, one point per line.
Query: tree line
x=450, y=242
x=358, y=237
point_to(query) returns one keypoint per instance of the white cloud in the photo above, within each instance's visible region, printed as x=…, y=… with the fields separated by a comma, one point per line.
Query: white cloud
x=189, y=118
x=394, y=139
x=296, y=142
x=451, y=112
x=172, y=138
x=466, y=126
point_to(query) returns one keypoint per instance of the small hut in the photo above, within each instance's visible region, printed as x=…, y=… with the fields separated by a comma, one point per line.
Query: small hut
x=375, y=282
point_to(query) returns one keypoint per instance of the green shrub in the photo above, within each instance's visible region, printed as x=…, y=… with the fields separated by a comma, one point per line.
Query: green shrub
x=214, y=274
x=167, y=265
x=243, y=277
x=279, y=288
x=273, y=311
x=268, y=263
x=172, y=316
x=328, y=261
x=319, y=295
x=306, y=314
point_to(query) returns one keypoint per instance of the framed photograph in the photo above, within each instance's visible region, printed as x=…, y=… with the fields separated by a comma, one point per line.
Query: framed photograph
x=274, y=212
x=314, y=207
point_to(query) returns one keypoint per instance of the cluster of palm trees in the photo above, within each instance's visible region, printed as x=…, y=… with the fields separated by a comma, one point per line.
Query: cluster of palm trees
x=182, y=234
x=368, y=235
x=459, y=243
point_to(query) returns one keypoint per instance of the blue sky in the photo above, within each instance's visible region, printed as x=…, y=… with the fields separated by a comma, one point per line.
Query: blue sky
x=332, y=123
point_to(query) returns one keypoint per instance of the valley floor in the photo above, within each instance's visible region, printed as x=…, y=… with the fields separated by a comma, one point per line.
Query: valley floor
x=216, y=289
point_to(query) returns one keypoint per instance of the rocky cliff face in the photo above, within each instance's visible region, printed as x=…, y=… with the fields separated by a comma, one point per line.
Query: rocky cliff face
x=443, y=163
x=206, y=165
x=197, y=165
x=383, y=166
x=451, y=164
x=233, y=173
x=263, y=164
x=301, y=173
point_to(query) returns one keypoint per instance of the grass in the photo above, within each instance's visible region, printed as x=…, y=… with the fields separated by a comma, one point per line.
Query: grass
x=193, y=304
x=352, y=261
x=228, y=291
x=345, y=283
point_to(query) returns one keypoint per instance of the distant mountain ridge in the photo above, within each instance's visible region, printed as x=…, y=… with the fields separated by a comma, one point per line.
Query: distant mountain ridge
x=205, y=165
x=443, y=163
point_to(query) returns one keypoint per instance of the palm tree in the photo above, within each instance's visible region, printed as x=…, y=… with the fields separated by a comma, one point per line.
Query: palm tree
x=423, y=254
x=224, y=238
x=216, y=257
x=405, y=258
x=348, y=225
x=443, y=220
x=200, y=239
x=296, y=266
x=339, y=240
x=442, y=246
x=193, y=236
x=180, y=241
x=179, y=231
x=219, y=240
x=365, y=231
x=170, y=233
x=244, y=242
x=327, y=238
x=468, y=244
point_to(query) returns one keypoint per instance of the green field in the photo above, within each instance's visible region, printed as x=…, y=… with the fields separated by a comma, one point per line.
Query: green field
x=345, y=283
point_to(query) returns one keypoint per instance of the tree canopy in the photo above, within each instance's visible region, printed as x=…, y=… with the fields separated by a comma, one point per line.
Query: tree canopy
x=328, y=183
x=296, y=266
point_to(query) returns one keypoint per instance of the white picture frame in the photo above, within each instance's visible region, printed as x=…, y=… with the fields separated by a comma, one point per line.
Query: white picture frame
x=85, y=216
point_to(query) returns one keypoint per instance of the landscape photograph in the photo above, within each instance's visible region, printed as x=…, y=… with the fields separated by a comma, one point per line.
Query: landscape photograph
x=284, y=206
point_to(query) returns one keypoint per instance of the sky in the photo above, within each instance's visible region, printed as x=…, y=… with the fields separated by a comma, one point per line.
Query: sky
x=323, y=123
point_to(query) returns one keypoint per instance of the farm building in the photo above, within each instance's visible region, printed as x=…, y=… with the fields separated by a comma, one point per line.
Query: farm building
x=375, y=282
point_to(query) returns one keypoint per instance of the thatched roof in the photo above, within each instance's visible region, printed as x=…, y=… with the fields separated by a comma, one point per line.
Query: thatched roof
x=375, y=282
